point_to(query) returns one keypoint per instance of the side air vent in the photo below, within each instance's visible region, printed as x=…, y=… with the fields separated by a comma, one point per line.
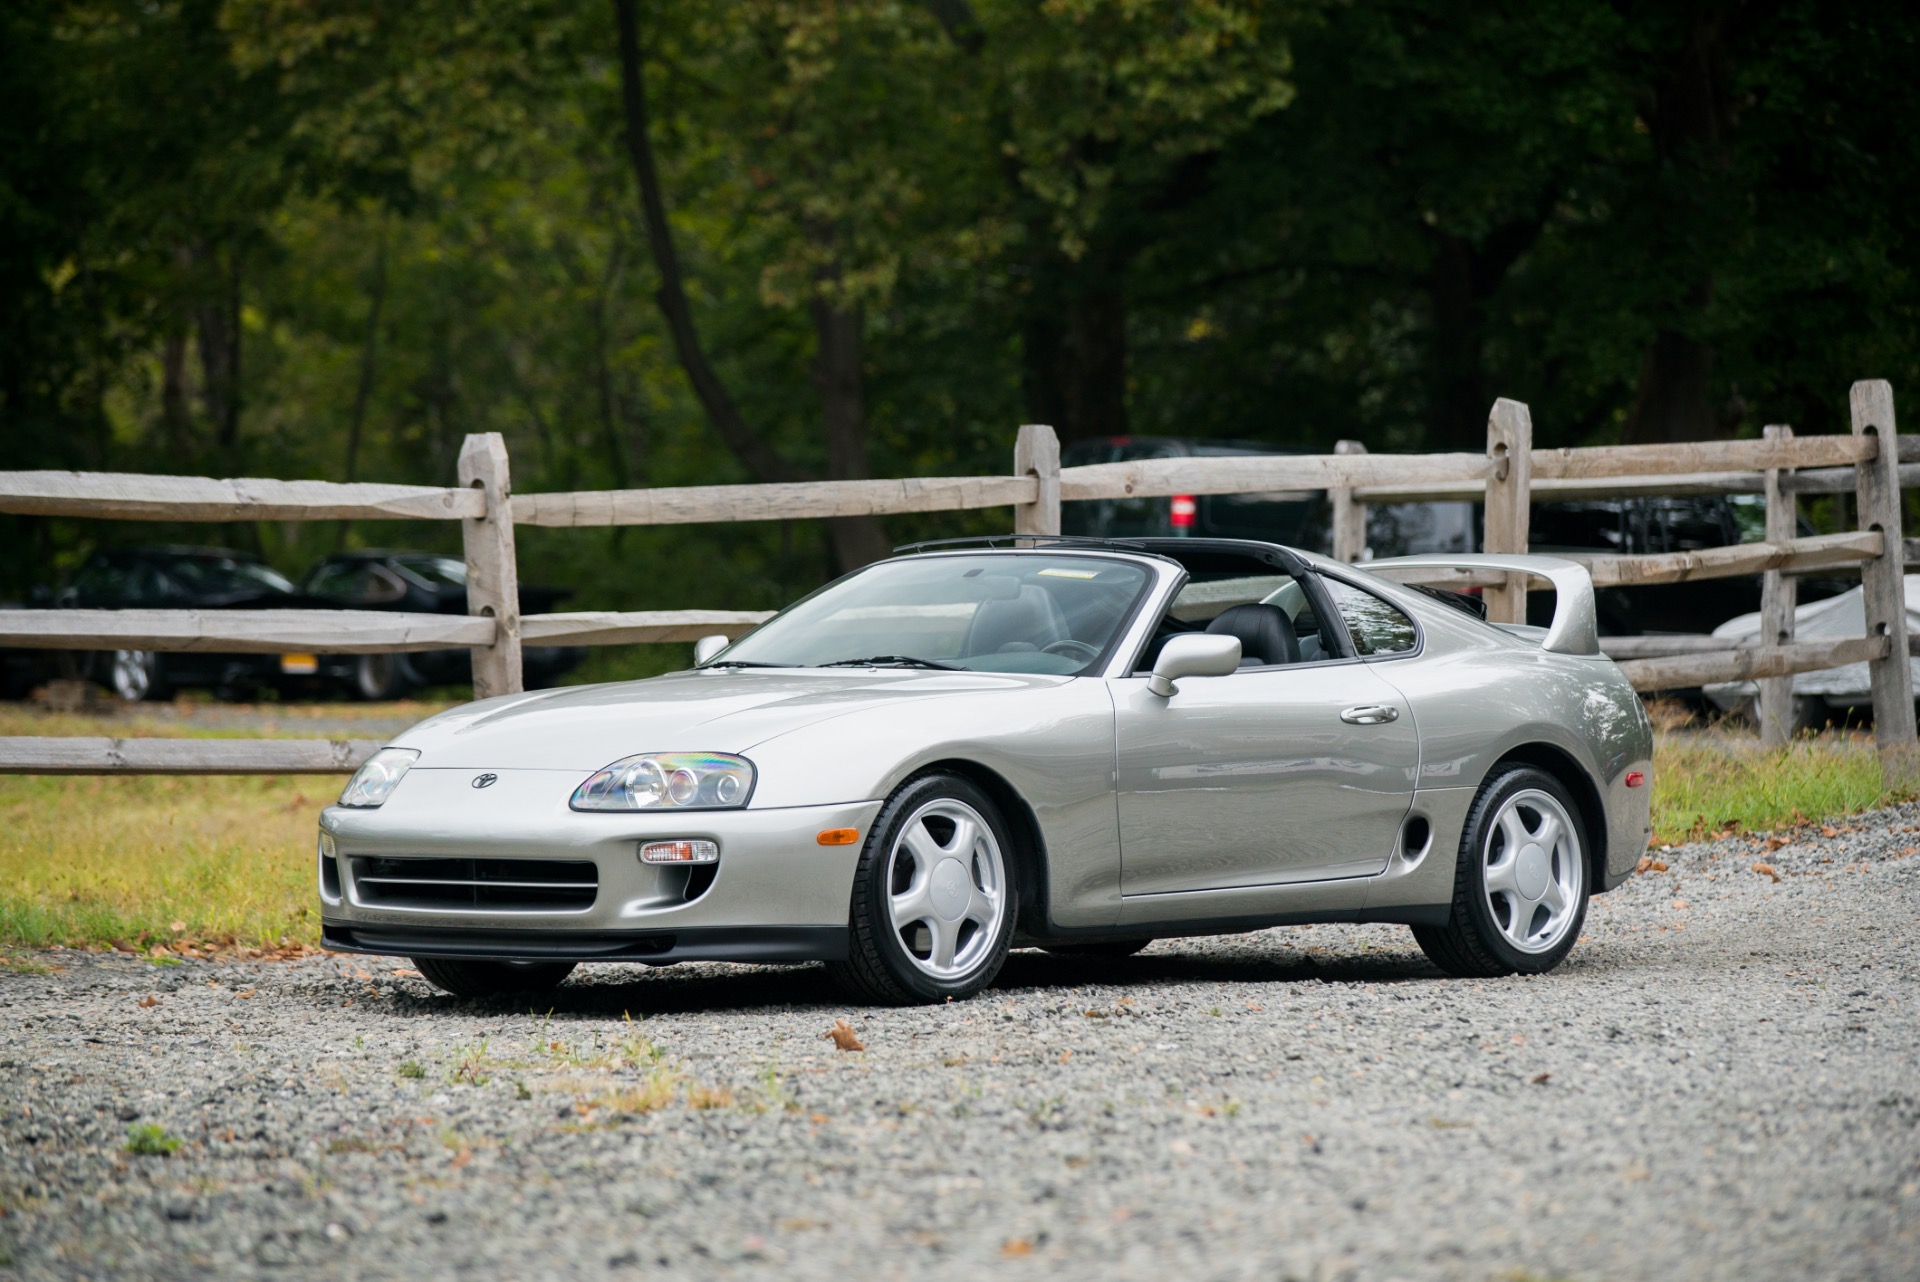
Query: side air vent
x=495, y=885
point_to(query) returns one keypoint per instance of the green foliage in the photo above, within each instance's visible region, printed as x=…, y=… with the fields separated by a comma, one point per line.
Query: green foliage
x=264, y=237
x=146, y=1139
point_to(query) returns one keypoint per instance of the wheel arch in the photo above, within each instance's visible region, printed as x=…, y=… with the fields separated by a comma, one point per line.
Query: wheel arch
x=1586, y=795
x=1028, y=855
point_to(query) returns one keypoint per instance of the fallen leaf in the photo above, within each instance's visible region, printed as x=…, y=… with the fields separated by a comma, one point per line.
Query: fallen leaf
x=461, y=1158
x=1829, y=832
x=1017, y=1246
x=1539, y=1079
x=1255, y=1006
x=844, y=1037
x=177, y=926
x=1096, y=1014
x=1766, y=870
x=1064, y=1057
x=1659, y=865
x=251, y=992
x=818, y=1119
x=149, y=1001
x=1646, y=862
x=1681, y=904
x=1774, y=843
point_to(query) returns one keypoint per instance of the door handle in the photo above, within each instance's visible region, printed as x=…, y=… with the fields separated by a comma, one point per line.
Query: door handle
x=1370, y=714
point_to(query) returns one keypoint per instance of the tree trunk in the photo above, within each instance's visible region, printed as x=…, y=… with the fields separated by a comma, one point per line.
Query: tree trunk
x=1693, y=112
x=857, y=540
x=217, y=320
x=1074, y=351
x=754, y=454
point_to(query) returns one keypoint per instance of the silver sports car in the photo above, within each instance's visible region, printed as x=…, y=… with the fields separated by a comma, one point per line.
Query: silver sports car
x=1078, y=745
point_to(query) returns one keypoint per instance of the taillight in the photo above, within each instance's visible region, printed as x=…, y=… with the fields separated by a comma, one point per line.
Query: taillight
x=1184, y=507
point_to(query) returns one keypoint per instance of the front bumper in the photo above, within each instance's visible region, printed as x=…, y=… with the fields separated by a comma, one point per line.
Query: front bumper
x=775, y=895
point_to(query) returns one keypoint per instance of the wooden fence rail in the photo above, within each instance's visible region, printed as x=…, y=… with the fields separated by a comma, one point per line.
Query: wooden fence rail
x=1870, y=461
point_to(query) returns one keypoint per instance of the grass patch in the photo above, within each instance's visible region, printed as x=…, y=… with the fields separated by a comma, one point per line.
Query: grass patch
x=91, y=862
x=1707, y=782
x=149, y=1140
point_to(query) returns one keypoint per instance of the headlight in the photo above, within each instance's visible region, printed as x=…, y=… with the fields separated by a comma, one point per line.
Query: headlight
x=668, y=781
x=375, y=781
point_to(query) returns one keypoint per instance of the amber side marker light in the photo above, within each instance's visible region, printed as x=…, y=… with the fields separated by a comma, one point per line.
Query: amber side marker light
x=1635, y=778
x=838, y=837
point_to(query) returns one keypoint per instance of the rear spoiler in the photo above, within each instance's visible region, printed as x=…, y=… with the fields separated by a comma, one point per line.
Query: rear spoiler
x=1573, y=630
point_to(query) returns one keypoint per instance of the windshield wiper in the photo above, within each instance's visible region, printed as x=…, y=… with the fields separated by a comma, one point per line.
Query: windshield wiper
x=893, y=661
x=742, y=663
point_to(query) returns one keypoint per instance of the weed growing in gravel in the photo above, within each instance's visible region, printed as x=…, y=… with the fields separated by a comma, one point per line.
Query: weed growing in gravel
x=150, y=1140
x=471, y=1067
x=21, y=965
x=412, y=1069
x=704, y=1097
x=656, y=1089
x=774, y=1095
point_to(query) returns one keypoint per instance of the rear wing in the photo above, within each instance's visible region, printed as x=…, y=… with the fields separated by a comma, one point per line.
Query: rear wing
x=1573, y=630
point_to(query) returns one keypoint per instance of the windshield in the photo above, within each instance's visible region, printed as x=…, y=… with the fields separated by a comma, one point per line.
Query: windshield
x=220, y=576
x=996, y=612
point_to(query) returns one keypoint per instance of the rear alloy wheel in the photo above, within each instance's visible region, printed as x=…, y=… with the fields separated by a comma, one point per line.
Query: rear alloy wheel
x=135, y=675
x=933, y=898
x=491, y=978
x=1520, y=890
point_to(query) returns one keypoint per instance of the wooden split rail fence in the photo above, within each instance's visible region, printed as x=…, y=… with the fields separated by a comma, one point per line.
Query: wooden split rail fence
x=1508, y=477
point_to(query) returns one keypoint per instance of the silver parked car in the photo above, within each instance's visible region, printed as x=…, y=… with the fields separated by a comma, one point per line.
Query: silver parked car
x=1080, y=745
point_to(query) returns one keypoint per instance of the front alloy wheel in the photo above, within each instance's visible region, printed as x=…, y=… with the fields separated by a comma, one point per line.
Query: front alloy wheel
x=933, y=899
x=135, y=675
x=1520, y=890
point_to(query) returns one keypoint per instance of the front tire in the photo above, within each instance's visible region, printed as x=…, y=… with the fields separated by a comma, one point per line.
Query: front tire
x=934, y=898
x=491, y=978
x=1520, y=888
x=135, y=676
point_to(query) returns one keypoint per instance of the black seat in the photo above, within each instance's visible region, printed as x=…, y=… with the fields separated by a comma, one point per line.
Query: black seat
x=1266, y=633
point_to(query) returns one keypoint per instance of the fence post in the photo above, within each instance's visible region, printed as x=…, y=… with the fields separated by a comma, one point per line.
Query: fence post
x=493, y=578
x=1779, y=593
x=1509, y=502
x=1036, y=453
x=1883, y=580
x=1349, y=517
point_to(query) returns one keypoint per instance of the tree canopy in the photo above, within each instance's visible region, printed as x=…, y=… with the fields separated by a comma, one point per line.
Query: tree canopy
x=658, y=242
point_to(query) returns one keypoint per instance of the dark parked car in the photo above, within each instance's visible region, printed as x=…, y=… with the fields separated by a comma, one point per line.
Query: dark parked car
x=1633, y=526
x=174, y=578
x=417, y=582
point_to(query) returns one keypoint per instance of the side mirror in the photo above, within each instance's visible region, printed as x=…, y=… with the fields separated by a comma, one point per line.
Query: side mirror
x=1198, y=654
x=706, y=647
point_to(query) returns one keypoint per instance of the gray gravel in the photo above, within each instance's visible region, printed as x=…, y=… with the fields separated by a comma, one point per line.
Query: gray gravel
x=1721, y=1083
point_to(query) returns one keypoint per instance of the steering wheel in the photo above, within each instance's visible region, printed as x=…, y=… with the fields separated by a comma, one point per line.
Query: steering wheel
x=1072, y=649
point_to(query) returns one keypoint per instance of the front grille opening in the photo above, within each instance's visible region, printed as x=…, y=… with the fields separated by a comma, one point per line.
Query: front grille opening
x=500, y=885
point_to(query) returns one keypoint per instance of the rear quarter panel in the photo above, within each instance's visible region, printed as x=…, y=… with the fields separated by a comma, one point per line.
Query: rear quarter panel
x=1479, y=694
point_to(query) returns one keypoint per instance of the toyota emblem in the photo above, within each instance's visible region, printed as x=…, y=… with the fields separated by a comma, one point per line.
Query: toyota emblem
x=486, y=780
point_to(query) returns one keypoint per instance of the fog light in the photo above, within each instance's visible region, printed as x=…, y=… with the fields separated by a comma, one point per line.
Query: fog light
x=680, y=852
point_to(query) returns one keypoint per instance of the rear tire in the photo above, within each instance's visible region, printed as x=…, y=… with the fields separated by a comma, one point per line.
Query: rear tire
x=1111, y=948
x=1520, y=886
x=934, y=897
x=379, y=677
x=135, y=676
x=491, y=978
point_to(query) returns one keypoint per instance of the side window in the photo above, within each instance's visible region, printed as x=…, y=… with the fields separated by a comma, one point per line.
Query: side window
x=1376, y=627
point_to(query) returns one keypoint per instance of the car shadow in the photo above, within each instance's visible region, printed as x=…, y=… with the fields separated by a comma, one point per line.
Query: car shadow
x=609, y=991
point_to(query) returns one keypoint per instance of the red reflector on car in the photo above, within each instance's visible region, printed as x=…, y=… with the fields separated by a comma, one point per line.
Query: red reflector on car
x=1183, y=510
x=1635, y=778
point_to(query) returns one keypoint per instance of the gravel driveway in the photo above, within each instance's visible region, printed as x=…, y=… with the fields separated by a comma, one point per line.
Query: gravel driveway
x=1721, y=1083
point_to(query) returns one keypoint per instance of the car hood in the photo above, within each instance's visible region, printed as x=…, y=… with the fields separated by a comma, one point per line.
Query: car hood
x=582, y=728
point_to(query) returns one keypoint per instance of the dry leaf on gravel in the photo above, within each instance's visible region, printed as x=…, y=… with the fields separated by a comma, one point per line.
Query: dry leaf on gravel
x=1646, y=862
x=1540, y=1079
x=251, y=992
x=844, y=1037
x=1017, y=1246
x=1681, y=904
x=1659, y=865
x=149, y=1001
x=1766, y=870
